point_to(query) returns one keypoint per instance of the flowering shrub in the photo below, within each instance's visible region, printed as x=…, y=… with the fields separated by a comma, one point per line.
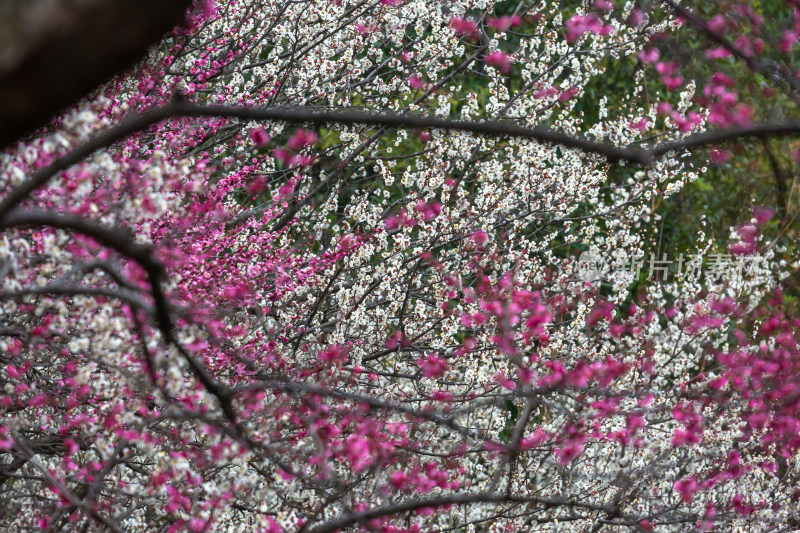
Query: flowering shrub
x=312, y=266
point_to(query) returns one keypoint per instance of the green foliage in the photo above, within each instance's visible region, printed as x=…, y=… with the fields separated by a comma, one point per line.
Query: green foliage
x=511, y=421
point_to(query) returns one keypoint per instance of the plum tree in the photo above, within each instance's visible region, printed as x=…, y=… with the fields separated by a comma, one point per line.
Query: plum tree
x=315, y=266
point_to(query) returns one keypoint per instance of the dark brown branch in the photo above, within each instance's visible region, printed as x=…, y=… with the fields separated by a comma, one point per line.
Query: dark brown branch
x=764, y=130
x=457, y=499
x=135, y=123
x=128, y=126
x=116, y=239
x=492, y=129
x=781, y=189
x=30, y=455
x=120, y=241
x=77, y=290
x=303, y=388
x=304, y=115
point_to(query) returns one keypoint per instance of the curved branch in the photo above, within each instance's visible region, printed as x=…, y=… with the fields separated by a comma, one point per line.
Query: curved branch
x=753, y=131
x=457, y=499
x=116, y=239
x=67, y=290
x=121, y=241
x=303, y=388
x=305, y=115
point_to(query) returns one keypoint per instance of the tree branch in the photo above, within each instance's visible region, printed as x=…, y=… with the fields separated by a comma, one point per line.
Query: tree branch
x=457, y=499
x=120, y=241
x=305, y=115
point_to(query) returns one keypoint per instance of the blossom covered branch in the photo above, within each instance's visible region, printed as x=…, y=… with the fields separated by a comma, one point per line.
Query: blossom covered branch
x=374, y=270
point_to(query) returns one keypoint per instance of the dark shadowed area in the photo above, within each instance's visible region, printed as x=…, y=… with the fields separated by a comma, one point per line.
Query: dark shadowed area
x=53, y=52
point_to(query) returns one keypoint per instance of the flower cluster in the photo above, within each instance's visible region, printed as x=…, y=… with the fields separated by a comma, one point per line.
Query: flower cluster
x=230, y=324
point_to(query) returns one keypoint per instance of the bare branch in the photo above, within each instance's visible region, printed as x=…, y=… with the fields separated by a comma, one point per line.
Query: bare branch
x=305, y=115
x=457, y=499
